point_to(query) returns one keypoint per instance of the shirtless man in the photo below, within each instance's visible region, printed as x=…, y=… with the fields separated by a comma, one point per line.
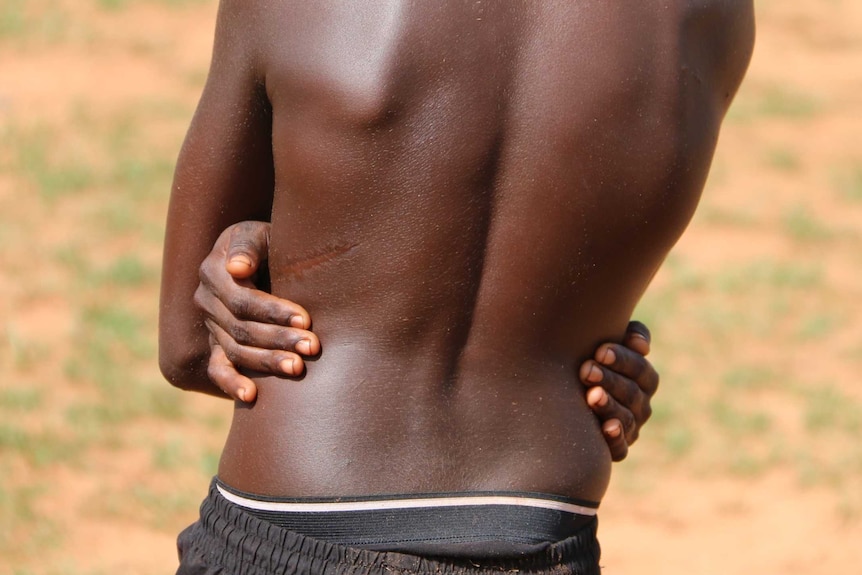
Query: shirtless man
x=438, y=176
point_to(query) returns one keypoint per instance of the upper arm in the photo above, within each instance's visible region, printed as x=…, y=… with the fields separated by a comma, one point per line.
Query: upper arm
x=224, y=174
x=720, y=39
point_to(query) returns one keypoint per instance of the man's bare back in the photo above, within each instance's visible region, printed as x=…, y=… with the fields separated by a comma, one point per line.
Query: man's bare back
x=443, y=175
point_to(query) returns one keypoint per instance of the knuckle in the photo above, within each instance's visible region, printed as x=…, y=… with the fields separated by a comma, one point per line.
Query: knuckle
x=636, y=365
x=290, y=338
x=272, y=312
x=240, y=333
x=272, y=363
x=620, y=450
x=651, y=382
x=199, y=298
x=232, y=353
x=206, y=271
x=628, y=364
x=238, y=304
x=631, y=395
x=646, y=412
x=628, y=420
x=218, y=375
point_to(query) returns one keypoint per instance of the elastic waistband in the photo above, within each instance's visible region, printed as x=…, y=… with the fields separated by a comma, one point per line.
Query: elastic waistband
x=508, y=523
x=244, y=542
x=407, y=501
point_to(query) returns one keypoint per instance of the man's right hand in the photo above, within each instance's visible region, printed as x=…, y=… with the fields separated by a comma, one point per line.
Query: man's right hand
x=248, y=327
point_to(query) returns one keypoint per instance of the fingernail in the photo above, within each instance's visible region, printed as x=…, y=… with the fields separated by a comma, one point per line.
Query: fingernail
x=595, y=374
x=286, y=365
x=241, y=259
x=241, y=393
x=613, y=429
x=304, y=346
x=597, y=397
x=297, y=321
x=609, y=357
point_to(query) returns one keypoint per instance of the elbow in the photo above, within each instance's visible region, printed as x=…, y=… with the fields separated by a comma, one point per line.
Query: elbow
x=180, y=369
x=171, y=369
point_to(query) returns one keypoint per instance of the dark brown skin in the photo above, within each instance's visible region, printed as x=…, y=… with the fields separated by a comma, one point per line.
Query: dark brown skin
x=439, y=177
x=255, y=330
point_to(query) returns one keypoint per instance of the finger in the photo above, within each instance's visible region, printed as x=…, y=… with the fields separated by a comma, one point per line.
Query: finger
x=628, y=364
x=274, y=361
x=224, y=374
x=248, y=246
x=610, y=414
x=638, y=338
x=618, y=398
x=262, y=335
x=616, y=440
x=240, y=295
x=607, y=409
x=235, y=303
x=616, y=420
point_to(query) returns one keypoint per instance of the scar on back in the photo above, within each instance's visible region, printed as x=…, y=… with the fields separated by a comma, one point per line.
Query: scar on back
x=296, y=266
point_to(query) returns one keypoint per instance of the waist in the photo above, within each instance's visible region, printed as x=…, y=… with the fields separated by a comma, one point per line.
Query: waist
x=369, y=434
x=475, y=524
x=241, y=541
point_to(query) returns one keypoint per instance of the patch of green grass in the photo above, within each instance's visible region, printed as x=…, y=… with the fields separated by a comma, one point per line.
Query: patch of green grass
x=23, y=530
x=25, y=353
x=783, y=101
x=209, y=461
x=124, y=400
x=129, y=271
x=847, y=182
x=38, y=448
x=113, y=4
x=783, y=159
x=12, y=20
x=678, y=440
x=818, y=326
x=849, y=507
x=683, y=277
x=738, y=422
x=827, y=408
x=726, y=217
x=803, y=226
x=770, y=274
x=164, y=508
x=90, y=421
x=116, y=5
x=27, y=23
x=747, y=377
x=71, y=257
x=21, y=399
x=168, y=456
x=143, y=176
x=161, y=401
x=746, y=464
x=109, y=327
x=773, y=101
x=54, y=171
x=811, y=469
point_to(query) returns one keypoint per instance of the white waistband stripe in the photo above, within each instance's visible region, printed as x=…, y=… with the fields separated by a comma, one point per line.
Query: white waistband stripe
x=385, y=504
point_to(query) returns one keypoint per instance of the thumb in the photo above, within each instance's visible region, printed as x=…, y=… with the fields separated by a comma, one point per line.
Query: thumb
x=248, y=246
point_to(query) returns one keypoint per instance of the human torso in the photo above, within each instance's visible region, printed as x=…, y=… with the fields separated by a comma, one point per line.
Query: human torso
x=469, y=198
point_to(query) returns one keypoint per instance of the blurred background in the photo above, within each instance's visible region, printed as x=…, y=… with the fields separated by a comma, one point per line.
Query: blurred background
x=753, y=459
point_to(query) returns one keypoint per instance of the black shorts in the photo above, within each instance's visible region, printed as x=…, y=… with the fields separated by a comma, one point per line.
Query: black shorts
x=228, y=540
